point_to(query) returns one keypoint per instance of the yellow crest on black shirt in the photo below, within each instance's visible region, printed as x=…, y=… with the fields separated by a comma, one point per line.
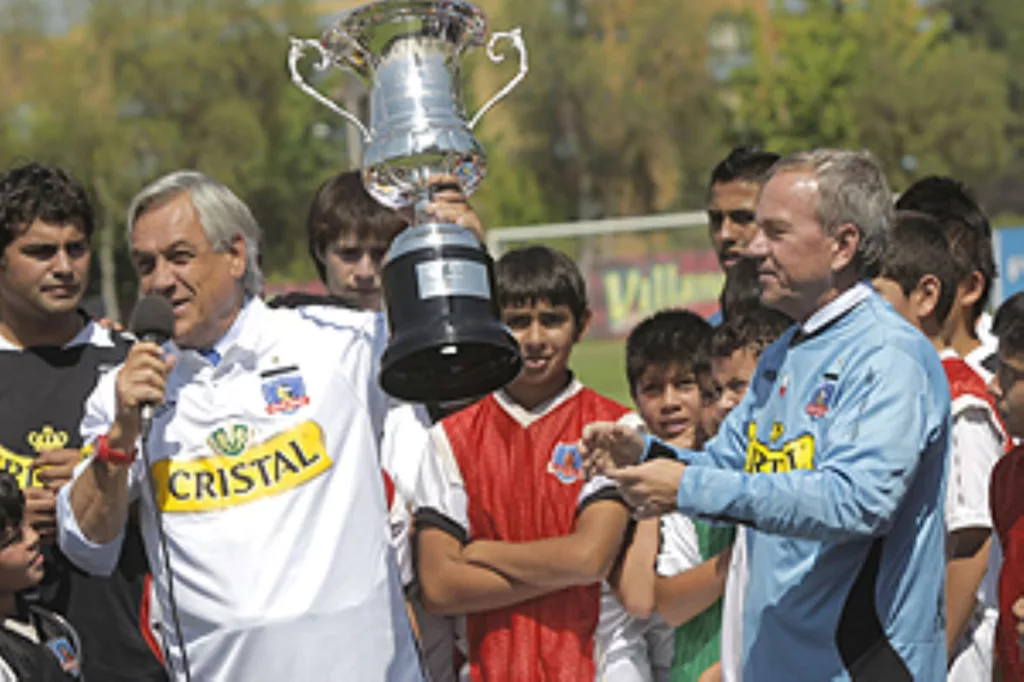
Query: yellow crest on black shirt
x=47, y=438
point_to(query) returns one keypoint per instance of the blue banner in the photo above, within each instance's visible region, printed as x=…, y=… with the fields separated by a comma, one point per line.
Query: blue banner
x=1009, y=246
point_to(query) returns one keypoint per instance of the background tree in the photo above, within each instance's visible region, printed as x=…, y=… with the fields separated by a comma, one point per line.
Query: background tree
x=881, y=74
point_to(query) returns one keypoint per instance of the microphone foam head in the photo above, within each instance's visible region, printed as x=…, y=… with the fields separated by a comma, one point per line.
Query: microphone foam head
x=153, y=317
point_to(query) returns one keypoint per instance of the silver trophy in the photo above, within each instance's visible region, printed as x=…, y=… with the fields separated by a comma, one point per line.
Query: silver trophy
x=447, y=341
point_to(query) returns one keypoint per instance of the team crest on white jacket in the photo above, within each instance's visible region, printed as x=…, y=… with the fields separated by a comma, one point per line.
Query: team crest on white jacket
x=284, y=391
x=566, y=463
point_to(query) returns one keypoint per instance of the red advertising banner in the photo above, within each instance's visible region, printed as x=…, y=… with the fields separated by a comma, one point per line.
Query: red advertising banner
x=625, y=291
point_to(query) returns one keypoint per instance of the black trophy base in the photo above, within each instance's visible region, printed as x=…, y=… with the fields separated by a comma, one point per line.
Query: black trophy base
x=447, y=339
x=450, y=369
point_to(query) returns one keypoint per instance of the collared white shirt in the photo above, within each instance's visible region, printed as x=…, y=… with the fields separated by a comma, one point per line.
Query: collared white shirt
x=976, y=445
x=268, y=481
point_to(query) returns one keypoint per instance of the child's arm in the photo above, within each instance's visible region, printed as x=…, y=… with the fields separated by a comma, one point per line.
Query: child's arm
x=976, y=447
x=682, y=593
x=583, y=557
x=451, y=586
x=964, y=572
x=681, y=597
x=633, y=578
x=712, y=674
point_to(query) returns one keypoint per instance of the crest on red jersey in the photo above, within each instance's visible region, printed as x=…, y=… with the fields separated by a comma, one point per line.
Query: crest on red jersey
x=566, y=463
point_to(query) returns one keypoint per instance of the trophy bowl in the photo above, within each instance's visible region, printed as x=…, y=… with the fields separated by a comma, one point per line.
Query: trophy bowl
x=447, y=341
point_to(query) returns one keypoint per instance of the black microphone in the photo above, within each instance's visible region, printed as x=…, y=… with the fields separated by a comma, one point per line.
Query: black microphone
x=152, y=320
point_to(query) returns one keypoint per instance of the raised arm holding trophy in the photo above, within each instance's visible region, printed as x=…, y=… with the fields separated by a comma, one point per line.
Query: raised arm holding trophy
x=447, y=341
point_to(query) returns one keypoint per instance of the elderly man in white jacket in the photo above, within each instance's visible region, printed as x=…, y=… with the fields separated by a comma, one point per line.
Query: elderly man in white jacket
x=264, y=457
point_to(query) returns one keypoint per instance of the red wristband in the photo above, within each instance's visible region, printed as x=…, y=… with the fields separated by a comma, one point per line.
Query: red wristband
x=105, y=453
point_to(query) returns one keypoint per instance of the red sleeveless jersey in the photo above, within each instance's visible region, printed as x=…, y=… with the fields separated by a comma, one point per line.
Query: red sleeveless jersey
x=523, y=478
x=966, y=385
x=1006, y=495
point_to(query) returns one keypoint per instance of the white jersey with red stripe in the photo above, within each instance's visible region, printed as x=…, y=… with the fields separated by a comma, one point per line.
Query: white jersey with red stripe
x=978, y=440
x=619, y=641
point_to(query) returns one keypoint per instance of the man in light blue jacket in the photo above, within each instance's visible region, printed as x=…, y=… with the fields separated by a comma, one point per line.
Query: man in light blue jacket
x=836, y=457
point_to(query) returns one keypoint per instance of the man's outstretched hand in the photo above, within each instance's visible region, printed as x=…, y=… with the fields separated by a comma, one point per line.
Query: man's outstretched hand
x=606, y=446
x=651, y=488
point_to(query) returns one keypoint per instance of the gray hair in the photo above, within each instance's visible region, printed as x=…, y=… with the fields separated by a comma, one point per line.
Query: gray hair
x=222, y=214
x=852, y=190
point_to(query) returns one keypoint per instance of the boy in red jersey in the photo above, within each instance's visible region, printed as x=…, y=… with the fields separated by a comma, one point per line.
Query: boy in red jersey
x=509, y=531
x=1006, y=492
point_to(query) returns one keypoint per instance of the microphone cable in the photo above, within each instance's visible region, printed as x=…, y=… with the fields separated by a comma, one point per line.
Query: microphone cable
x=162, y=536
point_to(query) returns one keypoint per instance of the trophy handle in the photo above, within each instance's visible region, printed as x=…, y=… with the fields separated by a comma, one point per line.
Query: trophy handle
x=294, y=55
x=516, y=36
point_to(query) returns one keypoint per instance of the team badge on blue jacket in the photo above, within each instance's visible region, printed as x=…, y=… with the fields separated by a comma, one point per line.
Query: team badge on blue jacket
x=566, y=463
x=284, y=394
x=821, y=399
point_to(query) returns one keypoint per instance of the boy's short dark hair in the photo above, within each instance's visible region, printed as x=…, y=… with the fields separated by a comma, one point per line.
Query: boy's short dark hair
x=36, y=192
x=526, y=276
x=1008, y=324
x=343, y=206
x=747, y=164
x=754, y=327
x=918, y=247
x=12, y=504
x=965, y=226
x=669, y=337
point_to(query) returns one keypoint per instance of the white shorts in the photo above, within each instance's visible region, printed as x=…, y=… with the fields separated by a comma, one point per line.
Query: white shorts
x=973, y=658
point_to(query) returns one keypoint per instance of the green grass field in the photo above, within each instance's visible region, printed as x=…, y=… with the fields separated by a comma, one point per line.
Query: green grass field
x=601, y=365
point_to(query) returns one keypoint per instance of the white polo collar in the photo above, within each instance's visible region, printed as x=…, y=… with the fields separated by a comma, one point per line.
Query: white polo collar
x=836, y=308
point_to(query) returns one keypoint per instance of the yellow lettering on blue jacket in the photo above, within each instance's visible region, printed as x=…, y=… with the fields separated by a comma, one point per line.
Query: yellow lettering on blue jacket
x=281, y=463
x=792, y=455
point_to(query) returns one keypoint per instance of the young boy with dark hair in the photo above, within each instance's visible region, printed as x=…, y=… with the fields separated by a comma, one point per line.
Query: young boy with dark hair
x=667, y=369
x=969, y=236
x=734, y=350
x=35, y=644
x=919, y=277
x=348, y=233
x=1006, y=492
x=509, y=530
